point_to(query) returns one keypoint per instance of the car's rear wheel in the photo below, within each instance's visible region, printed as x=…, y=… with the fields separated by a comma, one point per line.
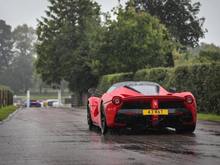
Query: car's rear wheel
x=186, y=129
x=104, y=127
x=89, y=118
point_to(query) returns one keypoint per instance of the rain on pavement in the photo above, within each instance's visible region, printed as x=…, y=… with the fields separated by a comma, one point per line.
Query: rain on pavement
x=61, y=137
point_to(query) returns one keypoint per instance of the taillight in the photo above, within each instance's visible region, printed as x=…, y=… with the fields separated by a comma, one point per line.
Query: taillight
x=117, y=100
x=189, y=99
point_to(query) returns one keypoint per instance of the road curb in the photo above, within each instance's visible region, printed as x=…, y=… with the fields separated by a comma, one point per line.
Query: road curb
x=10, y=116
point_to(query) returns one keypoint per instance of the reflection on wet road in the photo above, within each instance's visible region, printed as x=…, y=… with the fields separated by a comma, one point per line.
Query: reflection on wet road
x=61, y=136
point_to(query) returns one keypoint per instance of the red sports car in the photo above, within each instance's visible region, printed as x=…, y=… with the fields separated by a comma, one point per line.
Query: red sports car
x=142, y=105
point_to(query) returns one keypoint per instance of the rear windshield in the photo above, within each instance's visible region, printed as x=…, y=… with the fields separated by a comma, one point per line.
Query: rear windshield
x=144, y=89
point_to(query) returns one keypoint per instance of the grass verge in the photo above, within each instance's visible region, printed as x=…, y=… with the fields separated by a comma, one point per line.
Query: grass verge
x=6, y=111
x=209, y=117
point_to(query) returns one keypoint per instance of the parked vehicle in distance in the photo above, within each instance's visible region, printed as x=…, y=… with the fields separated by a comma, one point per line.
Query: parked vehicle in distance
x=41, y=102
x=56, y=104
x=141, y=105
x=33, y=103
x=51, y=101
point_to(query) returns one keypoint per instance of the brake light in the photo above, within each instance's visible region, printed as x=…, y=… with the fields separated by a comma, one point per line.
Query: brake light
x=189, y=99
x=117, y=100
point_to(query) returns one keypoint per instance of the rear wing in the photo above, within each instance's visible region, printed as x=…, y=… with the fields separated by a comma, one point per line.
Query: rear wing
x=155, y=97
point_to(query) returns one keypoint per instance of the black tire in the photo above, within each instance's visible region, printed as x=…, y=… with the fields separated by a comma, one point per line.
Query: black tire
x=89, y=119
x=186, y=129
x=104, y=127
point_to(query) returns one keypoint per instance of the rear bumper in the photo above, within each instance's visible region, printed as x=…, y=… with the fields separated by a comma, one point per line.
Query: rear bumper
x=135, y=118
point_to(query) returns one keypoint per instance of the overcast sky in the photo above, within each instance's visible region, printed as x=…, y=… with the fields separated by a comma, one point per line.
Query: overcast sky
x=17, y=12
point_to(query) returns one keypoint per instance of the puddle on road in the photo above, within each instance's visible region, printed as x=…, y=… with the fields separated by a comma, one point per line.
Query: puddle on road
x=71, y=141
x=165, y=142
x=216, y=133
x=146, y=149
x=213, y=132
x=150, y=148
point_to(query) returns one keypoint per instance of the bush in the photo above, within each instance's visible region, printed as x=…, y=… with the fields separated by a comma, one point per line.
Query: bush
x=159, y=75
x=203, y=80
x=108, y=80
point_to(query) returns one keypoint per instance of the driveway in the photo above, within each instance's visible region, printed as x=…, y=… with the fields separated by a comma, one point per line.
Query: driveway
x=61, y=137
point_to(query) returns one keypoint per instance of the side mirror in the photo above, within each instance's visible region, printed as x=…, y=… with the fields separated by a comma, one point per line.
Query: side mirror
x=91, y=91
x=95, y=92
x=172, y=89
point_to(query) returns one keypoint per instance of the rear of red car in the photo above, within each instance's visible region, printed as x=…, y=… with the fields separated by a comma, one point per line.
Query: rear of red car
x=153, y=111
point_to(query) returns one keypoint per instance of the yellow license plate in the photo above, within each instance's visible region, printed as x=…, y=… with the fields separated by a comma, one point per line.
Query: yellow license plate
x=147, y=112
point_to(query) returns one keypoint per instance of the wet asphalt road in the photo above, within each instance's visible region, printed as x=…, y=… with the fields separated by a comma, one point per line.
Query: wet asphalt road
x=61, y=137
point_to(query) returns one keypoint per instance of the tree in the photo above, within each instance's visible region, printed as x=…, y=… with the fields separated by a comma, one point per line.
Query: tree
x=22, y=74
x=209, y=53
x=18, y=75
x=135, y=41
x=179, y=16
x=6, y=45
x=67, y=41
x=24, y=40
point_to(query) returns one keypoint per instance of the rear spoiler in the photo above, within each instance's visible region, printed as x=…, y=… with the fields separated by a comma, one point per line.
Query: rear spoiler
x=161, y=97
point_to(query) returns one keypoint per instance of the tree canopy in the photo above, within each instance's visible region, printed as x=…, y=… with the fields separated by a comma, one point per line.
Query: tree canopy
x=208, y=53
x=76, y=45
x=179, y=16
x=6, y=45
x=18, y=74
x=134, y=41
x=24, y=40
x=67, y=41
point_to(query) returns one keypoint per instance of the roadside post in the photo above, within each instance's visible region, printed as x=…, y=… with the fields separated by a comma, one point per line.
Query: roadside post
x=28, y=99
x=59, y=98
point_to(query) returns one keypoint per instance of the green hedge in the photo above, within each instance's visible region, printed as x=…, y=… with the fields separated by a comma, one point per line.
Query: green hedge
x=107, y=80
x=203, y=80
x=6, y=96
x=159, y=75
